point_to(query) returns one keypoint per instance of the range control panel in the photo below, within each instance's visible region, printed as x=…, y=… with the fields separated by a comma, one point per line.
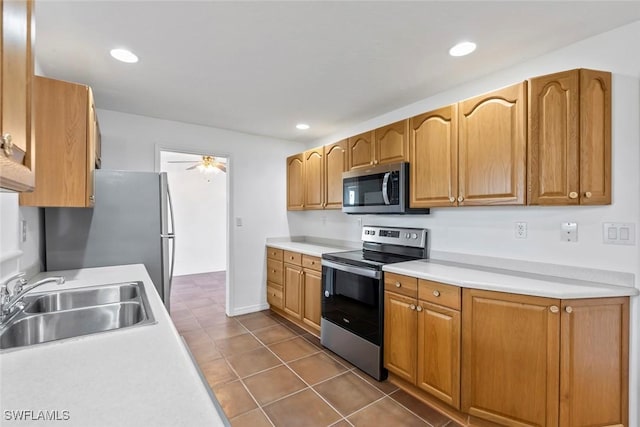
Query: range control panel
x=415, y=237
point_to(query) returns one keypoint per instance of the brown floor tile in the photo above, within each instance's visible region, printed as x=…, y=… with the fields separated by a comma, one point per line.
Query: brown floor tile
x=207, y=310
x=217, y=372
x=253, y=361
x=205, y=352
x=301, y=409
x=180, y=314
x=197, y=337
x=225, y=330
x=342, y=361
x=316, y=368
x=348, y=393
x=386, y=412
x=273, y=334
x=258, y=322
x=295, y=328
x=178, y=306
x=384, y=386
x=199, y=302
x=341, y=423
x=234, y=398
x=273, y=384
x=253, y=418
x=186, y=324
x=293, y=349
x=214, y=319
x=433, y=417
x=237, y=344
x=313, y=340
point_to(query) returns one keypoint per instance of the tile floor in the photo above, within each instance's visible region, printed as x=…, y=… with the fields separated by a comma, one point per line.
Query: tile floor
x=266, y=371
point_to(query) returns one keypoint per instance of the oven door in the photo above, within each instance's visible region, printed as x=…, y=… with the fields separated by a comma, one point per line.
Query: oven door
x=352, y=299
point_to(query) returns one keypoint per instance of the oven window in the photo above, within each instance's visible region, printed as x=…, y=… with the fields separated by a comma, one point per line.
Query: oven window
x=352, y=302
x=367, y=190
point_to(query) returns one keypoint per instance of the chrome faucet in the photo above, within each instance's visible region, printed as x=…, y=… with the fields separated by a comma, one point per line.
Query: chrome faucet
x=11, y=298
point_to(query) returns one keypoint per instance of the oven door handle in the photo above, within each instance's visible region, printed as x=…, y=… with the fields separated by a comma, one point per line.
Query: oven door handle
x=374, y=274
x=385, y=188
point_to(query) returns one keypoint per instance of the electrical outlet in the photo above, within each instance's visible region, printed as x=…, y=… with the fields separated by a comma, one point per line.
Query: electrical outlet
x=569, y=232
x=521, y=230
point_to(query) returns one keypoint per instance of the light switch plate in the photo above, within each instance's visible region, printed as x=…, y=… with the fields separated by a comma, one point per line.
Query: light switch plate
x=619, y=233
x=569, y=232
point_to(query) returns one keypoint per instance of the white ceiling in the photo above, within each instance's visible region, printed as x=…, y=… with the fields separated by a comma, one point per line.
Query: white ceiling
x=262, y=67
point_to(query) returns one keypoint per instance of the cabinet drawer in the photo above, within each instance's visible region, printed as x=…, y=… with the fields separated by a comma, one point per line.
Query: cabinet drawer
x=292, y=257
x=274, y=294
x=439, y=293
x=311, y=262
x=274, y=271
x=275, y=254
x=400, y=284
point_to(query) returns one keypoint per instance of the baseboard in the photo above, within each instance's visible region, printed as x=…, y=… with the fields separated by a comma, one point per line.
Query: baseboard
x=248, y=309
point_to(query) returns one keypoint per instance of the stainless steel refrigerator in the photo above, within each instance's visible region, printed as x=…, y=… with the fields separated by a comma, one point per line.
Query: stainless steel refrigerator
x=131, y=223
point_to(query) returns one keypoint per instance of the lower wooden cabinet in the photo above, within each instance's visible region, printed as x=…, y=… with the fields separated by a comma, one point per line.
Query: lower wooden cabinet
x=400, y=335
x=294, y=287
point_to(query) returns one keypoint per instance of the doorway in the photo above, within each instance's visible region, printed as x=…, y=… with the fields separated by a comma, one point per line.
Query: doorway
x=198, y=185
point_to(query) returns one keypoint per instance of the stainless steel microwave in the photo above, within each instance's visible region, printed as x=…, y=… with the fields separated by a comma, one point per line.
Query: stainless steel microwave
x=382, y=189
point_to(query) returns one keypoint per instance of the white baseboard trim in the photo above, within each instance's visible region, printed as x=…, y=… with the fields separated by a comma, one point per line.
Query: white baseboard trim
x=248, y=309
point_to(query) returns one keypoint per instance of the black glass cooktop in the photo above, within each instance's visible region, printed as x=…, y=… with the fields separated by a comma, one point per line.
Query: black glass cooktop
x=367, y=259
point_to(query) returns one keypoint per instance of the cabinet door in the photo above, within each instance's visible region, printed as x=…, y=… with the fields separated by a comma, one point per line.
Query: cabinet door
x=553, y=172
x=295, y=182
x=361, y=150
x=434, y=158
x=92, y=141
x=595, y=137
x=594, y=362
x=392, y=143
x=312, y=298
x=439, y=352
x=492, y=148
x=62, y=174
x=400, y=332
x=293, y=290
x=314, y=178
x=335, y=164
x=510, y=358
x=17, y=157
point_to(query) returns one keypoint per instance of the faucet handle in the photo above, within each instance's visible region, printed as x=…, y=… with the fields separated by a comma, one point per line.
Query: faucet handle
x=4, y=289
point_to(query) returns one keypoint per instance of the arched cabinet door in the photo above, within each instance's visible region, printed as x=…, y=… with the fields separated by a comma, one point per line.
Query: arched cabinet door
x=295, y=182
x=361, y=151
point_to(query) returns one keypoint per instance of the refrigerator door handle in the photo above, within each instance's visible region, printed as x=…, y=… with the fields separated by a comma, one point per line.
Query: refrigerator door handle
x=171, y=235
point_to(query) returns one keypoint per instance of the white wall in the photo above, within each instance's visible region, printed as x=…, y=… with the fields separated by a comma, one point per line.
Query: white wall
x=257, y=182
x=200, y=212
x=490, y=231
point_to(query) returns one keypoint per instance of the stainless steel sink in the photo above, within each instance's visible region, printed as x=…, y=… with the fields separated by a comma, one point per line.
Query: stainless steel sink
x=66, y=314
x=65, y=300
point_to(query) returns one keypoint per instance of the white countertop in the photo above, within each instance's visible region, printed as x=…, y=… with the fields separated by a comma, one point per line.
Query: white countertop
x=307, y=248
x=491, y=279
x=137, y=376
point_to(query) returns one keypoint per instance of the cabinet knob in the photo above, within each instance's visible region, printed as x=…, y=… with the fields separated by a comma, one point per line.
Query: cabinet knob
x=436, y=293
x=375, y=162
x=371, y=162
x=92, y=198
x=7, y=144
x=313, y=263
x=273, y=271
x=554, y=309
x=568, y=309
x=452, y=199
x=587, y=194
x=460, y=198
x=412, y=307
x=573, y=195
x=398, y=284
x=419, y=308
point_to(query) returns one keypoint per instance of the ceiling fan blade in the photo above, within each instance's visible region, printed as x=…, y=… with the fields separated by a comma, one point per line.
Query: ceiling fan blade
x=222, y=167
x=182, y=161
x=192, y=167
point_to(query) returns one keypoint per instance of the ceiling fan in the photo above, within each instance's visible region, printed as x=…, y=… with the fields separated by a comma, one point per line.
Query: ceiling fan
x=207, y=164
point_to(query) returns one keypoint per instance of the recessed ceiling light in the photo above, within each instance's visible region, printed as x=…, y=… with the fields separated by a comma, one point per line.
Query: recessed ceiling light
x=462, y=49
x=124, y=55
x=302, y=126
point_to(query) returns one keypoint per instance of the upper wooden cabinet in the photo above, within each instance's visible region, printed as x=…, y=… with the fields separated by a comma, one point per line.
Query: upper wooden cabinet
x=570, y=138
x=295, y=182
x=492, y=148
x=314, y=181
x=392, y=143
x=433, y=152
x=17, y=157
x=66, y=130
x=361, y=150
x=335, y=161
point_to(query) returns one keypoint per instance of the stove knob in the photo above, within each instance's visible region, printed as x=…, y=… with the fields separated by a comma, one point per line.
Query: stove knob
x=407, y=235
x=414, y=236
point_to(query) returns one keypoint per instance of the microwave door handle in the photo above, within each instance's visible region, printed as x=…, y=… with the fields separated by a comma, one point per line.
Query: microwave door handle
x=385, y=188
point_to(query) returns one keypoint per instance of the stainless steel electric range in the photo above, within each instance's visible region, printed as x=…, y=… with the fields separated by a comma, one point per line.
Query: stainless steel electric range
x=353, y=293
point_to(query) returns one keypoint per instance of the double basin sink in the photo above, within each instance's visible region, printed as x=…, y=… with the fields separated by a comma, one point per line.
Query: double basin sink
x=70, y=313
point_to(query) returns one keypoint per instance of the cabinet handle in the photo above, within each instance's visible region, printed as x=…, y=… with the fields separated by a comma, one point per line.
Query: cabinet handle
x=7, y=144
x=573, y=195
x=568, y=309
x=554, y=309
x=412, y=307
x=460, y=198
x=398, y=284
x=419, y=308
x=587, y=194
x=436, y=293
x=452, y=199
